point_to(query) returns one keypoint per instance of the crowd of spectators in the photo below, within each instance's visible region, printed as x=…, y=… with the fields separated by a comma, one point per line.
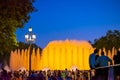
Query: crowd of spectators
x=44, y=75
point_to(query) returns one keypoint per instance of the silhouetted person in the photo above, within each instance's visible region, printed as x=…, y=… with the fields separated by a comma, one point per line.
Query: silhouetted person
x=92, y=59
x=41, y=76
x=4, y=74
x=96, y=57
x=102, y=61
x=96, y=70
x=116, y=59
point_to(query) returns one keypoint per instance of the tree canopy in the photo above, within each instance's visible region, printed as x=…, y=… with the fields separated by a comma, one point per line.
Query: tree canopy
x=13, y=14
x=110, y=40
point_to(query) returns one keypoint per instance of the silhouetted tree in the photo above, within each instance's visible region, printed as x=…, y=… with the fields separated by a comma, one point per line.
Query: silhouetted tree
x=110, y=40
x=13, y=14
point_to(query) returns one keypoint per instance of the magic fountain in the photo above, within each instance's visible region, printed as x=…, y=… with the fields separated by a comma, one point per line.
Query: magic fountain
x=57, y=55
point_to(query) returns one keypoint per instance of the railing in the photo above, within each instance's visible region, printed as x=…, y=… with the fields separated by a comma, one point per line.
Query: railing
x=104, y=73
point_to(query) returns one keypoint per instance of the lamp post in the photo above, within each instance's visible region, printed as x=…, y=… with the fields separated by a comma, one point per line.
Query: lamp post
x=30, y=38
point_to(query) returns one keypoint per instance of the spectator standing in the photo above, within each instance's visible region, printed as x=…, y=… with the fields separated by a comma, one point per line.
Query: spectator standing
x=102, y=61
x=116, y=59
x=92, y=59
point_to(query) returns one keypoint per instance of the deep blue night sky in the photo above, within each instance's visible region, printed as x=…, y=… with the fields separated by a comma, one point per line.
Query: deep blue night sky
x=72, y=19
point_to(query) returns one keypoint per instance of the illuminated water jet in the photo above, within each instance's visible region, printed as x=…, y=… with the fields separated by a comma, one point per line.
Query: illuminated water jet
x=56, y=55
x=65, y=54
x=68, y=54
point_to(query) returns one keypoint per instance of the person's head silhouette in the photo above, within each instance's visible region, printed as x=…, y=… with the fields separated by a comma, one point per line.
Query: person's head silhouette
x=96, y=51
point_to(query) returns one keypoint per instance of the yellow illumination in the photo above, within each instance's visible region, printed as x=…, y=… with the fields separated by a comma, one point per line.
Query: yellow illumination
x=56, y=55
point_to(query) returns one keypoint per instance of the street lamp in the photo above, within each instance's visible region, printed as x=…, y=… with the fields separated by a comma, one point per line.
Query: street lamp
x=30, y=38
